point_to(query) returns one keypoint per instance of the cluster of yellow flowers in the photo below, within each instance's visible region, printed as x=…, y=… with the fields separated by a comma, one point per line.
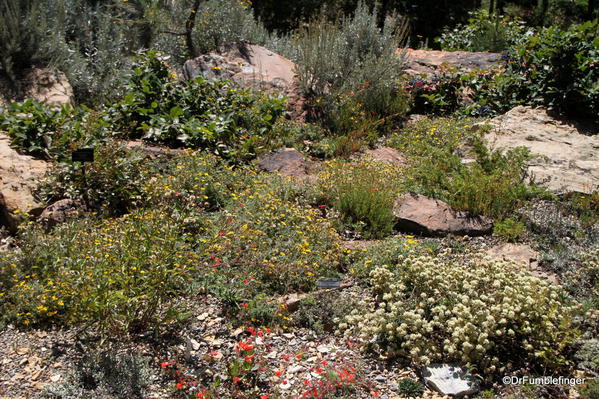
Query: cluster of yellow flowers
x=480, y=313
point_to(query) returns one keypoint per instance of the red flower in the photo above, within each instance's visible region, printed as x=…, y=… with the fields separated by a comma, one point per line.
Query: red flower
x=245, y=305
x=298, y=357
x=248, y=359
x=236, y=380
x=375, y=394
x=165, y=364
x=245, y=346
x=252, y=331
x=278, y=373
x=319, y=370
x=263, y=396
x=285, y=382
x=202, y=394
x=180, y=385
x=286, y=358
x=324, y=363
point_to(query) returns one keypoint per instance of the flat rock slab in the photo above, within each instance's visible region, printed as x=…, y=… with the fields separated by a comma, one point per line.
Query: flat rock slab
x=524, y=256
x=287, y=162
x=419, y=214
x=565, y=159
x=450, y=379
x=428, y=61
x=389, y=155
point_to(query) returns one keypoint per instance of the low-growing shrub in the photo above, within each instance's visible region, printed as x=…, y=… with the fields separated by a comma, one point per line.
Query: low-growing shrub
x=104, y=374
x=509, y=229
x=363, y=192
x=265, y=240
x=485, y=313
x=112, y=183
x=410, y=388
x=118, y=275
x=493, y=184
x=191, y=182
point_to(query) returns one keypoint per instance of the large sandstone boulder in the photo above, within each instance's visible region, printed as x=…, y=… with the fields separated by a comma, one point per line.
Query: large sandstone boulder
x=49, y=86
x=250, y=66
x=428, y=62
x=565, y=160
x=416, y=213
x=19, y=175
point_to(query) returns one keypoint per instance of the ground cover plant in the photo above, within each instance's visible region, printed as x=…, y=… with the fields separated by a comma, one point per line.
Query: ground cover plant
x=481, y=327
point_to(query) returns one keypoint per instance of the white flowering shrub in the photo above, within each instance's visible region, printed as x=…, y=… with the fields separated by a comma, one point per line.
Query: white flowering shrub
x=484, y=313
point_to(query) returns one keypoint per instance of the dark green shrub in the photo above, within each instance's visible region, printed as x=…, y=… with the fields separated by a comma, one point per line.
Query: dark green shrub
x=410, y=388
x=560, y=68
x=112, y=183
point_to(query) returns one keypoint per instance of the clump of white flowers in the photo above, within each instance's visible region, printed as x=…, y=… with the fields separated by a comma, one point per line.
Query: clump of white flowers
x=485, y=313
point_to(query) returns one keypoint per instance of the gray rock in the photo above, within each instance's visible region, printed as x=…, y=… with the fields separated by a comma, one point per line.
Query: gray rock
x=450, y=379
x=287, y=162
x=428, y=62
x=416, y=213
x=60, y=211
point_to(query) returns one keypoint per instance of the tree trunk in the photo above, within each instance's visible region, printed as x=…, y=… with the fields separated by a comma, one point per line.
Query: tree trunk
x=591, y=8
x=491, y=6
x=189, y=25
x=544, y=8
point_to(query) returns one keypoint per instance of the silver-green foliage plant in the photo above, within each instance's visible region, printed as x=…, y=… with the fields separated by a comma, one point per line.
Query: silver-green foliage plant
x=353, y=55
x=26, y=39
x=485, y=313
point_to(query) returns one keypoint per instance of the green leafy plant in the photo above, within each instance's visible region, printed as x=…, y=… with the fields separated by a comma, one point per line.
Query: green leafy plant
x=111, y=184
x=212, y=115
x=50, y=132
x=509, y=229
x=493, y=33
